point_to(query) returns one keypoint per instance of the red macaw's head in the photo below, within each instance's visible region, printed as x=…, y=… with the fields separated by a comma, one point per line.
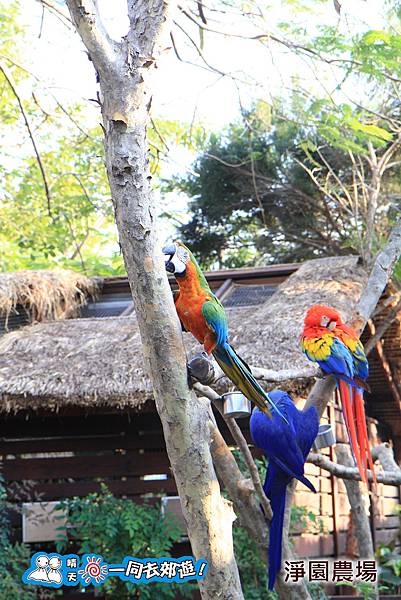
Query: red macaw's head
x=319, y=315
x=176, y=256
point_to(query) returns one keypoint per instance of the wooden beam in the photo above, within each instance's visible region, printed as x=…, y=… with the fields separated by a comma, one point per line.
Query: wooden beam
x=107, y=465
x=223, y=289
x=130, y=486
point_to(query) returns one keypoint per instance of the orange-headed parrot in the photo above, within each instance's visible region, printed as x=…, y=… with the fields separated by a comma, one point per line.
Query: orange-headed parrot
x=202, y=314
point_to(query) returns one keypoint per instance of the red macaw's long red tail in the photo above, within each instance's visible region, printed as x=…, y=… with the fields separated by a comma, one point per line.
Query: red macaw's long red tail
x=363, y=437
x=349, y=413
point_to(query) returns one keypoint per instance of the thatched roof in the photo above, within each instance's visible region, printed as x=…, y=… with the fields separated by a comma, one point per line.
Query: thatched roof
x=45, y=295
x=99, y=361
x=269, y=337
x=78, y=362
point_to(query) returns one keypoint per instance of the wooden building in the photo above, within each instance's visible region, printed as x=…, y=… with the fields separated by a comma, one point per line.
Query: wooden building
x=76, y=406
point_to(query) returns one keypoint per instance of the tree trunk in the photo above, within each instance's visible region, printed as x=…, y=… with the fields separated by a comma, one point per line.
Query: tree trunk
x=124, y=72
x=247, y=506
x=360, y=518
x=357, y=498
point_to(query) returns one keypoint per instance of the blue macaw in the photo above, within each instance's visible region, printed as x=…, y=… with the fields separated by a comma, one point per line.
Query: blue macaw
x=286, y=446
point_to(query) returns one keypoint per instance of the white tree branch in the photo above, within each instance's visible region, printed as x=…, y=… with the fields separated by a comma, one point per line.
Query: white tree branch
x=390, y=476
x=381, y=272
x=103, y=50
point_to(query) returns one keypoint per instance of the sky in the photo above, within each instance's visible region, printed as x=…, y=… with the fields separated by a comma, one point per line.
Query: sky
x=192, y=94
x=187, y=92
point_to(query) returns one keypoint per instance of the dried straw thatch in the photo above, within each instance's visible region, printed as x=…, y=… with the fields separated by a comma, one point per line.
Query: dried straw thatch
x=99, y=361
x=45, y=295
x=269, y=337
x=80, y=361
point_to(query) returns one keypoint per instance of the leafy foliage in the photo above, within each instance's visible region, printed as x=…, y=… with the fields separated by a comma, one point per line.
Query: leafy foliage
x=72, y=223
x=288, y=192
x=389, y=569
x=303, y=519
x=113, y=527
x=251, y=567
x=14, y=558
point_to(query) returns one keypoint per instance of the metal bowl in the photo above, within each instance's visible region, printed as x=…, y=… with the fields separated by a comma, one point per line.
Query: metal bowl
x=325, y=437
x=236, y=405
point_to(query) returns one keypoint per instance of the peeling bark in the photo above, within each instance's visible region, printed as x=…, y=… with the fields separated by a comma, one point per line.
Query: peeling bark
x=124, y=71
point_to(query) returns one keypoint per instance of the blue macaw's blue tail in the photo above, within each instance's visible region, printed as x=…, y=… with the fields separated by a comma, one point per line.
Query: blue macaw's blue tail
x=275, y=489
x=286, y=447
x=240, y=374
x=276, y=534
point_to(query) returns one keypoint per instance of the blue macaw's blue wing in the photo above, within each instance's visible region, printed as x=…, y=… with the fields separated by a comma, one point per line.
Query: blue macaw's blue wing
x=286, y=447
x=307, y=429
x=281, y=442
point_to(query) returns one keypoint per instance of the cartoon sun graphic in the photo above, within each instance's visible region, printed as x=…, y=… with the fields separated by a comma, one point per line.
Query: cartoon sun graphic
x=93, y=570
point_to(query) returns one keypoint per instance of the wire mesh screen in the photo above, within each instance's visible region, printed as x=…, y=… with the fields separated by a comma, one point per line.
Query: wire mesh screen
x=248, y=295
x=112, y=307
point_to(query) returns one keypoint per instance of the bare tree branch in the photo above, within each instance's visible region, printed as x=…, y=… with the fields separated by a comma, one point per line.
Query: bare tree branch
x=285, y=374
x=60, y=106
x=57, y=12
x=242, y=445
x=381, y=272
x=347, y=472
x=358, y=506
x=9, y=78
x=102, y=49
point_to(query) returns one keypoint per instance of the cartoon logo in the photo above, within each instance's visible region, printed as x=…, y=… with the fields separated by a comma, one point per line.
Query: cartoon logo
x=94, y=571
x=50, y=569
x=55, y=570
x=41, y=571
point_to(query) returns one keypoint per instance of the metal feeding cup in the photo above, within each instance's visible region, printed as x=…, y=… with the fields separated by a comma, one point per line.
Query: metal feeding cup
x=325, y=437
x=236, y=405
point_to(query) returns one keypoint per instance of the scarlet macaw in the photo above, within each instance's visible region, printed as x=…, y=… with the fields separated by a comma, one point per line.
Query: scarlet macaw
x=286, y=447
x=337, y=349
x=202, y=314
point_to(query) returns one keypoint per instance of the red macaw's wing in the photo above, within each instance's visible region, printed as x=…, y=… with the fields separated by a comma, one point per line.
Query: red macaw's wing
x=357, y=350
x=361, y=367
x=335, y=358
